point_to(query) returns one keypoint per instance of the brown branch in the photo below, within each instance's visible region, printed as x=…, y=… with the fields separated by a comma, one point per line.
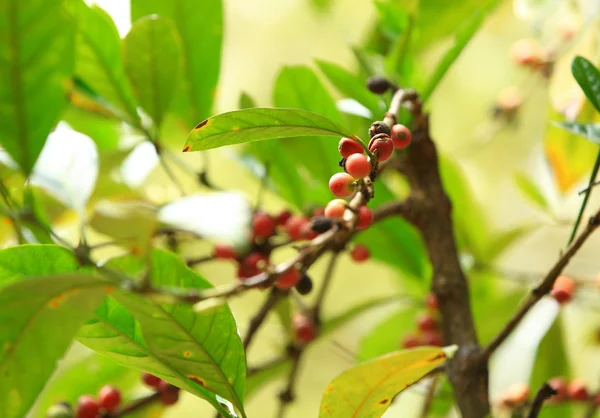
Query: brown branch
x=316, y=310
x=545, y=285
x=429, y=397
x=135, y=405
x=258, y=319
x=287, y=396
x=544, y=393
x=199, y=260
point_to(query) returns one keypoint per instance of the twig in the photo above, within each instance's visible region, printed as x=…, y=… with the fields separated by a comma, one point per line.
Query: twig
x=544, y=287
x=258, y=319
x=171, y=175
x=544, y=393
x=135, y=405
x=251, y=371
x=429, y=397
x=592, y=408
x=316, y=310
x=287, y=395
x=199, y=260
x=588, y=193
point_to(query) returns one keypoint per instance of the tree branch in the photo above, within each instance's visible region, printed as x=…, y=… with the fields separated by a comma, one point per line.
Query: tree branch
x=258, y=319
x=545, y=392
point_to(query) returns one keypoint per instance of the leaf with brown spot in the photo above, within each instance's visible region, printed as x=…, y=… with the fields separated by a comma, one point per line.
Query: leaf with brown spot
x=365, y=391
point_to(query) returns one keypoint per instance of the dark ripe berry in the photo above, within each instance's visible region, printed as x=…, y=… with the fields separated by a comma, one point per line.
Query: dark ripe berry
x=336, y=208
x=577, y=391
x=224, y=252
x=384, y=147
x=341, y=184
x=87, y=407
x=282, y=217
x=358, y=166
x=348, y=146
x=295, y=227
x=433, y=338
x=151, y=380
x=109, y=397
x=365, y=218
x=252, y=265
x=400, y=136
x=559, y=384
x=378, y=84
x=360, y=253
x=321, y=224
x=379, y=127
x=431, y=302
x=426, y=322
x=304, y=328
x=304, y=285
x=411, y=341
x=59, y=411
x=288, y=279
x=263, y=225
x=319, y=211
x=563, y=289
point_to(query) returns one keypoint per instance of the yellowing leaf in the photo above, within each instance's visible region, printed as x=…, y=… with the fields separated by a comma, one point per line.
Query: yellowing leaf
x=367, y=390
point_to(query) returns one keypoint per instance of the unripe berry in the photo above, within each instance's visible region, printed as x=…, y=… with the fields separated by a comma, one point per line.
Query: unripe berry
x=151, y=380
x=169, y=394
x=59, y=411
x=288, y=279
x=563, y=289
x=224, y=252
x=597, y=281
x=348, y=147
x=304, y=285
x=365, y=218
x=358, y=166
x=304, y=328
x=433, y=338
x=378, y=84
x=411, y=341
x=295, y=226
x=336, y=208
x=509, y=99
x=431, y=302
x=282, y=217
x=426, y=322
x=109, y=397
x=516, y=394
x=401, y=136
x=526, y=52
x=87, y=407
x=341, y=184
x=360, y=253
x=559, y=384
x=577, y=391
x=263, y=225
x=383, y=145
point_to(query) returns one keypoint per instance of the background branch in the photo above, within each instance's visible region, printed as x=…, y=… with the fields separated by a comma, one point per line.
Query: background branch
x=544, y=393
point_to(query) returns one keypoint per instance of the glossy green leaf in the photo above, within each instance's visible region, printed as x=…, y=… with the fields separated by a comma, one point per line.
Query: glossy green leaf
x=33, y=261
x=36, y=62
x=31, y=312
x=199, y=352
x=367, y=390
x=589, y=131
x=588, y=78
x=529, y=190
x=200, y=28
x=99, y=63
x=352, y=87
x=242, y=126
x=152, y=59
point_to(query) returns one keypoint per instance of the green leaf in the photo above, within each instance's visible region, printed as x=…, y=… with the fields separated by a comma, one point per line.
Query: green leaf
x=32, y=311
x=266, y=375
x=366, y=390
x=496, y=244
x=171, y=341
x=589, y=131
x=99, y=63
x=152, y=58
x=200, y=28
x=37, y=60
x=241, y=126
x=34, y=260
x=352, y=87
x=588, y=78
x=531, y=191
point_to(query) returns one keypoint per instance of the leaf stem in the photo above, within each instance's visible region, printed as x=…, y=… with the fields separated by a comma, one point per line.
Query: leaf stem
x=586, y=197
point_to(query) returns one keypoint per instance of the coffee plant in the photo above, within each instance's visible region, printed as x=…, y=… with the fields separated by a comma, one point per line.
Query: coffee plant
x=139, y=278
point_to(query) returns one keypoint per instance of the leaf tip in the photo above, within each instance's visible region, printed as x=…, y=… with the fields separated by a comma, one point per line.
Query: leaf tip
x=186, y=148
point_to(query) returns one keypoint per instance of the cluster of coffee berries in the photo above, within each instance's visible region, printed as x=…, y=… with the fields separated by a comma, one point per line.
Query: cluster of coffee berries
x=168, y=394
x=88, y=406
x=563, y=289
x=304, y=328
x=428, y=330
x=518, y=394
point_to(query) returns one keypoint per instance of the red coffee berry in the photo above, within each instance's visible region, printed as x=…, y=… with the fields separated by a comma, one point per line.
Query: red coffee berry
x=433, y=338
x=431, y=302
x=252, y=265
x=263, y=225
x=109, y=397
x=288, y=279
x=304, y=328
x=559, y=384
x=151, y=380
x=577, y=391
x=383, y=145
x=295, y=226
x=308, y=233
x=348, y=146
x=360, y=253
x=87, y=407
x=597, y=399
x=169, y=394
x=358, y=166
x=224, y=252
x=411, y=341
x=341, y=184
x=282, y=217
x=365, y=218
x=336, y=208
x=318, y=211
x=401, y=136
x=426, y=322
x=563, y=289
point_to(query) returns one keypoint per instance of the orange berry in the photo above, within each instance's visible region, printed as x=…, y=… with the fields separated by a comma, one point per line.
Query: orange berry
x=358, y=166
x=563, y=289
x=341, y=184
x=336, y=208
